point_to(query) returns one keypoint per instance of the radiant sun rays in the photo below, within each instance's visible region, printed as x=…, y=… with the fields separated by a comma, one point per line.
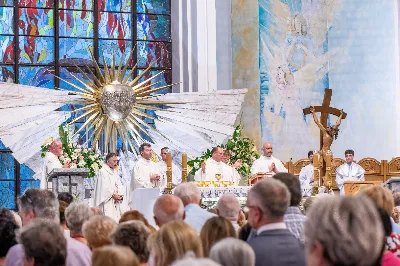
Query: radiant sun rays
x=112, y=104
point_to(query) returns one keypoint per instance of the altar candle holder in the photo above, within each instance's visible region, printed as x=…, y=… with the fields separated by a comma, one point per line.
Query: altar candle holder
x=169, y=173
x=184, y=167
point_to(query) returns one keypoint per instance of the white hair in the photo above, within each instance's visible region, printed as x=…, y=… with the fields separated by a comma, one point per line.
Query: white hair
x=168, y=208
x=228, y=207
x=188, y=193
x=195, y=262
x=75, y=215
x=233, y=252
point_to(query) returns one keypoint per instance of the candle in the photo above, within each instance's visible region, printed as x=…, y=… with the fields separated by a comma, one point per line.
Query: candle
x=184, y=167
x=169, y=173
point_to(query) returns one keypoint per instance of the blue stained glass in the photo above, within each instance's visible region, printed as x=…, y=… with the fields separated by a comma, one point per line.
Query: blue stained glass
x=75, y=48
x=153, y=27
x=76, y=4
x=153, y=6
x=7, y=72
x=115, y=5
x=6, y=166
x=6, y=20
x=76, y=23
x=6, y=3
x=33, y=21
x=114, y=25
x=36, y=3
x=24, y=185
x=36, y=76
x=148, y=52
x=36, y=50
x=7, y=194
x=120, y=47
x=25, y=172
x=7, y=49
x=163, y=79
x=2, y=146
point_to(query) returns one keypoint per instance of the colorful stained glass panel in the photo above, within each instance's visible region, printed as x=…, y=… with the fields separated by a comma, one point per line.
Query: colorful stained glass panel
x=36, y=76
x=153, y=27
x=120, y=47
x=114, y=25
x=76, y=4
x=153, y=6
x=7, y=194
x=33, y=21
x=115, y=5
x=148, y=52
x=163, y=79
x=24, y=185
x=7, y=49
x=36, y=50
x=25, y=172
x=76, y=23
x=6, y=20
x=6, y=3
x=6, y=72
x=36, y=3
x=2, y=146
x=6, y=166
x=75, y=48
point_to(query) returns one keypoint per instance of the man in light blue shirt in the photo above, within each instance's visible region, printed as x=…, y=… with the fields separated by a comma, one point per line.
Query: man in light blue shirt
x=190, y=195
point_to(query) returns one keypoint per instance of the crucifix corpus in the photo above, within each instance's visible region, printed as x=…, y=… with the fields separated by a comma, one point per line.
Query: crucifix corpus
x=327, y=134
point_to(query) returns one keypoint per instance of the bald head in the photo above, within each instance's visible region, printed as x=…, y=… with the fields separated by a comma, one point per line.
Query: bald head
x=56, y=147
x=168, y=208
x=267, y=149
x=228, y=207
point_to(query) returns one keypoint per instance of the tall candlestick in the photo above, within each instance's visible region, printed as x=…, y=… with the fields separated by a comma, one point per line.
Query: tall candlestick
x=184, y=167
x=169, y=173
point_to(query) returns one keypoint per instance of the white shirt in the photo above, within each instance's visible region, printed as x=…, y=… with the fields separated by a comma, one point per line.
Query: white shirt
x=213, y=168
x=305, y=176
x=348, y=172
x=273, y=226
x=176, y=173
x=51, y=162
x=262, y=164
x=234, y=174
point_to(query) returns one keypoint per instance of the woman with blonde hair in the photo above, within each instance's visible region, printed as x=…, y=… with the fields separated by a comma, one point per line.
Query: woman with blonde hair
x=114, y=255
x=215, y=229
x=172, y=242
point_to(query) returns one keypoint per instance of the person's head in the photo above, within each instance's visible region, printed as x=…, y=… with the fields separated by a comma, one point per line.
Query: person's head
x=145, y=151
x=8, y=230
x=396, y=197
x=267, y=202
x=173, y=241
x=310, y=155
x=333, y=131
x=382, y=197
x=168, y=208
x=112, y=160
x=38, y=203
x=349, y=154
x=164, y=152
x=233, y=252
x=76, y=214
x=43, y=243
x=56, y=148
x=189, y=193
x=227, y=156
x=134, y=215
x=195, y=262
x=133, y=234
x=308, y=203
x=293, y=184
x=228, y=206
x=353, y=241
x=267, y=149
x=215, y=229
x=217, y=154
x=97, y=231
x=114, y=255
x=66, y=197
x=299, y=25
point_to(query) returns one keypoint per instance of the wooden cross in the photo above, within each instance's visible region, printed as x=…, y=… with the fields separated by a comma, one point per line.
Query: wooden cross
x=325, y=110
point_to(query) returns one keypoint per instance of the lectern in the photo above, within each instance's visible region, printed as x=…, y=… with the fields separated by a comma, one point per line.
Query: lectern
x=353, y=187
x=70, y=180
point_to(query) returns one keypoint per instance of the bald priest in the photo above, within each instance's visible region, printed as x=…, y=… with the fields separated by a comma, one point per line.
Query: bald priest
x=267, y=163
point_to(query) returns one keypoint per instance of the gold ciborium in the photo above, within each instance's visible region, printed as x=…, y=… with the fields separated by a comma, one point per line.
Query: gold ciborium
x=218, y=177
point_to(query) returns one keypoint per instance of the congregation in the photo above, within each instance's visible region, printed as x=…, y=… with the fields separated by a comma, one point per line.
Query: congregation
x=271, y=229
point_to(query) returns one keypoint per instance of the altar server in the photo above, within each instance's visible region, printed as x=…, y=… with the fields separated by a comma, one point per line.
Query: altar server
x=214, y=168
x=349, y=171
x=306, y=176
x=109, y=191
x=51, y=162
x=162, y=166
x=267, y=163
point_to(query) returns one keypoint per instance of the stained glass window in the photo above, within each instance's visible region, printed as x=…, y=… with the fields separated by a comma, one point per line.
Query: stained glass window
x=42, y=38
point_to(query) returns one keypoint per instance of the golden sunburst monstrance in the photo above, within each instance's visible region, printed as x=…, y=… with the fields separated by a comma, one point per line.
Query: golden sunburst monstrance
x=112, y=103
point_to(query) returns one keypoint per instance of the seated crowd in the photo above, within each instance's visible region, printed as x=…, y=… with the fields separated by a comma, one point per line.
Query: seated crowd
x=270, y=230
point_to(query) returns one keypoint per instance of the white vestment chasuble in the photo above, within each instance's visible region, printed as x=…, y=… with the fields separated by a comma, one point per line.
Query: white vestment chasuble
x=108, y=183
x=176, y=173
x=305, y=177
x=348, y=172
x=214, y=168
x=262, y=164
x=51, y=162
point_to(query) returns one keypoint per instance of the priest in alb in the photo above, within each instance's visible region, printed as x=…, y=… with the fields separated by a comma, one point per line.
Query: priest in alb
x=214, y=169
x=267, y=164
x=349, y=171
x=51, y=162
x=162, y=166
x=306, y=176
x=109, y=191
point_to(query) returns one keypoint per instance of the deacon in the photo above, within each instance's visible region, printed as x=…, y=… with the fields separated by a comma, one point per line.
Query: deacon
x=162, y=165
x=109, y=191
x=51, y=162
x=267, y=163
x=214, y=169
x=349, y=171
x=306, y=176
x=232, y=168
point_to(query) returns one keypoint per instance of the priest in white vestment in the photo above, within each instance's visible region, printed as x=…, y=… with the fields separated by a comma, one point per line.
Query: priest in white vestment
x=214, y=169
x=232, y=168
x=109, y=191
x=349, y=171
x=51, y=162
x=306, y=176
x=267, y=163
x=162, y=166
